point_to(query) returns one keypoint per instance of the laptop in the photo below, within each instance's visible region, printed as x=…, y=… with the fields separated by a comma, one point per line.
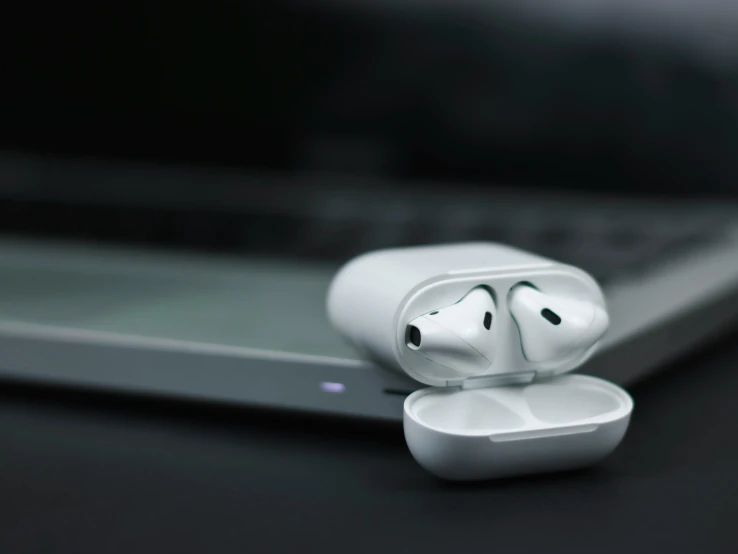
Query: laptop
x=171, y=216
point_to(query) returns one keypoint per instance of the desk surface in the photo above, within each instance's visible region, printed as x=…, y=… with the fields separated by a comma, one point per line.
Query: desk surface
x=87, y=473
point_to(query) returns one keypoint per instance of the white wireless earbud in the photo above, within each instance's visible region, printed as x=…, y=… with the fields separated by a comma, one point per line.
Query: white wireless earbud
x=461, y=336
x=554, y=328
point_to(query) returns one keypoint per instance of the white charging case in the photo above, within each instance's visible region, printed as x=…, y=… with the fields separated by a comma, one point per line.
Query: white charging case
x=515, y=417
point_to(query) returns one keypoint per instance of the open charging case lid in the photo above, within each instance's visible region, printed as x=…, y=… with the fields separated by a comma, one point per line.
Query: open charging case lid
x=513, y=417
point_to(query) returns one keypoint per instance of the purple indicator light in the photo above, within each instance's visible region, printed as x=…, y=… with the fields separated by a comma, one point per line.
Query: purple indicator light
x=332, y=387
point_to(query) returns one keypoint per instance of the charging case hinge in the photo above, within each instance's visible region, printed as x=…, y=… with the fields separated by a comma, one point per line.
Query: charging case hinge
x=485, y=381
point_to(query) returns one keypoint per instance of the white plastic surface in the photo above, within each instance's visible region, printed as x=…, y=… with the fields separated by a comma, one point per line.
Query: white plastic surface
x=470, y=434
x=461, y=337
x=552, y=337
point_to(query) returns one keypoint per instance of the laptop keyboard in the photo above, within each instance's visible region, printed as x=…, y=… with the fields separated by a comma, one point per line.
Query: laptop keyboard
x=605, y=252
x=608, y=239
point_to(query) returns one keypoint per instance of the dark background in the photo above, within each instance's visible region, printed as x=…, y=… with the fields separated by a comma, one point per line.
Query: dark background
x=621, y=96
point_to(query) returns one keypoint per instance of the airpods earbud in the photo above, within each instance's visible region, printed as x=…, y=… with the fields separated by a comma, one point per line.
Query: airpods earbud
x=554, y=328
x=461, y=336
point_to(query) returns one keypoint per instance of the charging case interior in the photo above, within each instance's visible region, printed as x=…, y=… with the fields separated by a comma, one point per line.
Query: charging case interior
x=564, y=422
x=561, y=405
